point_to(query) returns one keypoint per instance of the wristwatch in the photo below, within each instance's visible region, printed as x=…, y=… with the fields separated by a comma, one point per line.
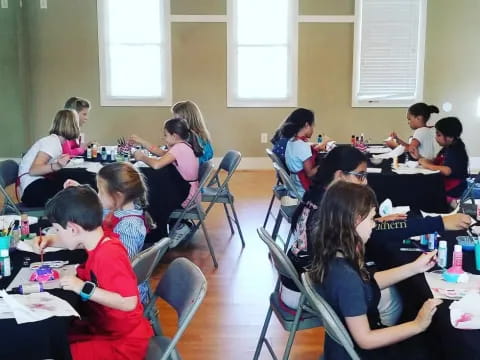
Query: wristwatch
x=87, y=290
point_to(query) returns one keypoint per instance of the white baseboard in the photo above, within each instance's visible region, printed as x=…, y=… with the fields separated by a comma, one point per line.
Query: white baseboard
x=251, y=163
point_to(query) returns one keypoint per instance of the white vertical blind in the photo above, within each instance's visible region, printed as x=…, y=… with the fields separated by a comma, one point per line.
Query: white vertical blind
x=134, y=42
x=389, y=52
x=262, y=52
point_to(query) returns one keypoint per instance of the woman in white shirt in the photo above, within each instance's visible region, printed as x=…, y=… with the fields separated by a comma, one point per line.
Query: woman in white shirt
x=44, y=158
x=423, y=139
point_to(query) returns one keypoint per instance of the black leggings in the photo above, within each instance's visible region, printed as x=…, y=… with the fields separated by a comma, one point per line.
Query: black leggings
x=167, y=190
x=38, y=192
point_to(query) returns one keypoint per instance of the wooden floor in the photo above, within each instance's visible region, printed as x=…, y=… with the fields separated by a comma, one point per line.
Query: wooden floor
x=230, y=319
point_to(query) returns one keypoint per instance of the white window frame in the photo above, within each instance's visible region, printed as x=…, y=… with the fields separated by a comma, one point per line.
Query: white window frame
x=232, y=67
x=108, y=100
x=422, y=27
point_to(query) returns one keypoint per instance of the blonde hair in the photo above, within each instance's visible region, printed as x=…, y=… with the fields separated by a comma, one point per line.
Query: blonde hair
x=190, y=111
x=65, y=124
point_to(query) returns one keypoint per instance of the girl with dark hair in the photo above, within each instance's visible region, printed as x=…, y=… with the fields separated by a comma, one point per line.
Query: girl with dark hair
x=299, y=157
x=183, y=152
x=422, y=143
x=280, y=137
x=452, y=160
x=343, y=226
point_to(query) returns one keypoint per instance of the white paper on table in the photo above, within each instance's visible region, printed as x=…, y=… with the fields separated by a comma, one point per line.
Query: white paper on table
x=93, y=167
x=387, y=208
x=425, y=214
x=378, y=150
x=371, y=170
x=451, y=291
x=399, y=150
x=6, y=220
x=465, y=313
x=27, y=245
x=23, y=277
x=5, y=311
x=37, y=306
x=411, y=171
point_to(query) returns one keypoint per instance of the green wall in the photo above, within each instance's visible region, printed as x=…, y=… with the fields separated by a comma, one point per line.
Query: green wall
x=63, y=61
x=13, y=77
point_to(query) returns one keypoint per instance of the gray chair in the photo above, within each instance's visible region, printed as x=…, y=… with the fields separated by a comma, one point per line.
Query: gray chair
x=285, y=212
x=144, y=263
x=216, y=192
x=333, y=326
x=183, y=286
x=194, y=210
x=278, y=191
x=8, y=176
x=291, y=320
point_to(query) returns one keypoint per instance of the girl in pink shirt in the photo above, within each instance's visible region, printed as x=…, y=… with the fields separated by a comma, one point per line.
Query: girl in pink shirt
x=82, y=107
x=183, y=152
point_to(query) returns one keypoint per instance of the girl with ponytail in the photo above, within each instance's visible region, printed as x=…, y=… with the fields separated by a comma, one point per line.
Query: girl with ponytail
x=423, y=139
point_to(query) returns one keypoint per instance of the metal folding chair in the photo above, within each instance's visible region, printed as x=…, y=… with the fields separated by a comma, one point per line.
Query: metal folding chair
x=194, y=210
x=278, y=191
x=285, y=212
x=217, y=192
x=8, y=176
x=292, y=321
x=183, y=286
x=333, y=326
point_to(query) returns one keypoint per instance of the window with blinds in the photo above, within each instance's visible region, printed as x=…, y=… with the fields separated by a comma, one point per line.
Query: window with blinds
x=134, y=52
x=262, y=53
x=388, y=52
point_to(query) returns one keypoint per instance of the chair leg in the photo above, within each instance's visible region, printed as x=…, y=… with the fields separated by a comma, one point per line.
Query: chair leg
x=278, y=222
x=294, y=328
x=210, y=247
x=285, y=248
x=262, y=338
x=229, y=218
x=235, y=217
x=268, y=211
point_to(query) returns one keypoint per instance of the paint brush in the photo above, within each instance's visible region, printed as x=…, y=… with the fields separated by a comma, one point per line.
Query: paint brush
x=41, y=247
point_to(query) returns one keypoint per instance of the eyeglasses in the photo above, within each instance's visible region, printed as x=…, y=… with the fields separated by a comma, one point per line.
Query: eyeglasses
x=360, y=175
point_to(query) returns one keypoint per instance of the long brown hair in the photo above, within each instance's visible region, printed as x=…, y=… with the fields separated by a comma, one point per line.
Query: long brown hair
x=180, y=127
x=335, y=224
x=124, y=178
x=65, y=123
x=190, y=111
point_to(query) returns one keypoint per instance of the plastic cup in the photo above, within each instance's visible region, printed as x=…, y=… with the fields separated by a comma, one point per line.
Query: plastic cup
x=477, y=256
x=5, y=242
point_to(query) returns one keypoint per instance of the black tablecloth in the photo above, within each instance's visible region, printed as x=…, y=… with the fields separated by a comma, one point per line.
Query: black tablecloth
x=448, y=342
x=45, y=339
x=420, y=192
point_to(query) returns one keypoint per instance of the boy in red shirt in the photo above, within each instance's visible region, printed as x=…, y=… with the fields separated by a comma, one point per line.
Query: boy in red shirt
x=115, y=327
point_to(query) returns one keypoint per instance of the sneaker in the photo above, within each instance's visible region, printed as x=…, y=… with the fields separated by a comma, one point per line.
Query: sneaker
x=180, y=234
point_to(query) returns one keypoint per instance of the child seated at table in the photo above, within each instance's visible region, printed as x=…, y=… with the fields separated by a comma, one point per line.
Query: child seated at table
x=344, y=224
x=452, y=160
x=299, y=157
x=123, y=195
x=183, y=150
x=76, y=147
x=44, y=158
x=280, y=140
x=422, y=143
x=114, y=327
x=190, y=112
